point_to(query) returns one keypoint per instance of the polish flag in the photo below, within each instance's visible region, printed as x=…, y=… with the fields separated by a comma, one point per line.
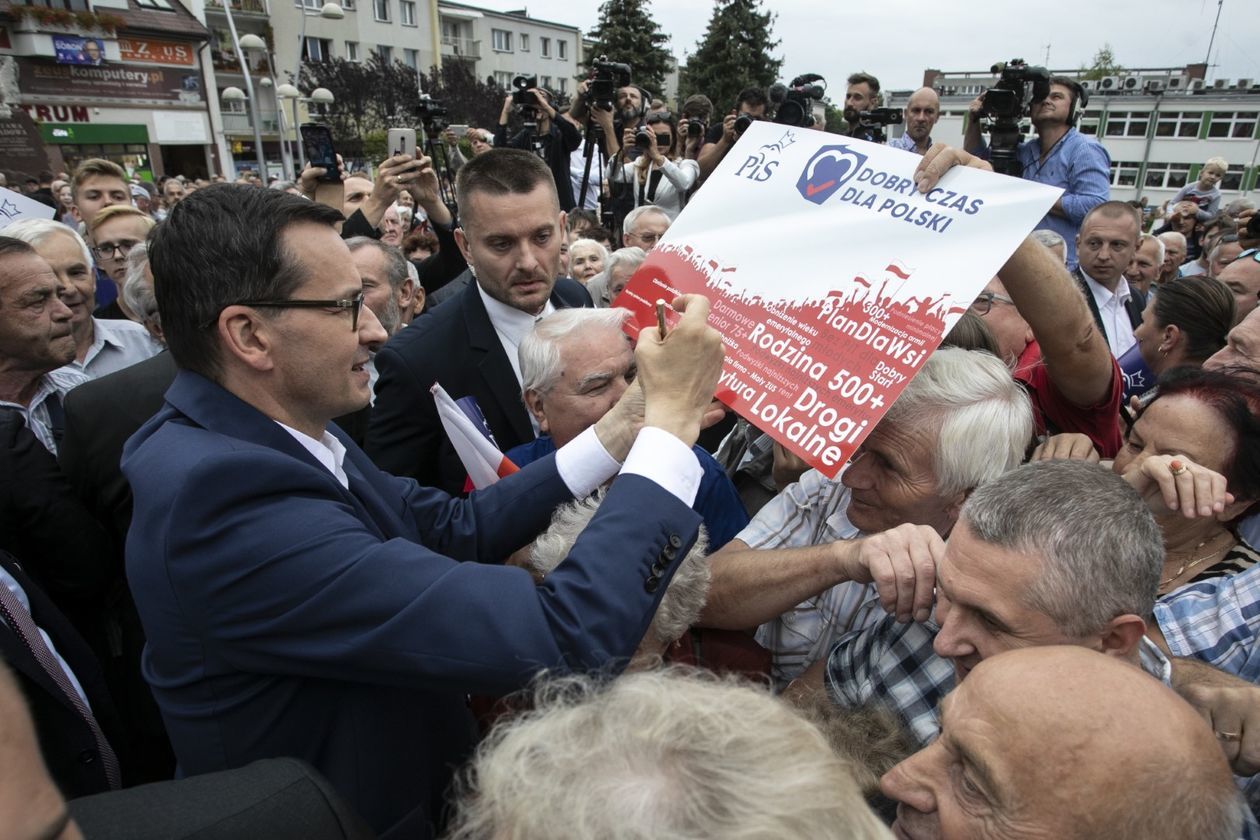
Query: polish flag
x=898, y=269
x=466, y=427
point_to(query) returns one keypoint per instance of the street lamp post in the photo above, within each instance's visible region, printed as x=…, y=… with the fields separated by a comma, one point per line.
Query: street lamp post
x=249, y=91
x=319, y=96
x=286, y=158
x=329, y=11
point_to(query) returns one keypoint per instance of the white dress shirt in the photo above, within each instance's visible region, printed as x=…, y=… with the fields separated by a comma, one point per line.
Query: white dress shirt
x=116, y=344
x=1115, y=317
x=512, y=325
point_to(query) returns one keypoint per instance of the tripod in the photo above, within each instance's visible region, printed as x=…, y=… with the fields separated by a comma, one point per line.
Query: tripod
x=446, y=178
x=594, y=136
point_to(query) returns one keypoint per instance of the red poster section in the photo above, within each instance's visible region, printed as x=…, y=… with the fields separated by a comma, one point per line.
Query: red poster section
x=818, y=375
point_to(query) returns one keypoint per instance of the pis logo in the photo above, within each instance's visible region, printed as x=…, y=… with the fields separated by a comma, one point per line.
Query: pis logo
x=827, y=171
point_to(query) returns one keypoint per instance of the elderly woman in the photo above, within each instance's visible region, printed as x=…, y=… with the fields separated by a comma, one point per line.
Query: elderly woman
x=101, y=345
x=618, y=268
x=586, y=259
x=1181, y=326
x=1194, y=454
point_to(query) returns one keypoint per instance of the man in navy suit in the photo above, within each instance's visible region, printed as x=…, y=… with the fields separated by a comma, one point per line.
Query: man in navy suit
x=511, y=230
x=297, y=600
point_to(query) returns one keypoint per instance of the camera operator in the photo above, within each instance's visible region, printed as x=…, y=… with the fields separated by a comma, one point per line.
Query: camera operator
x=1059, y=156
x=553, y=139
x=656, y=176
x=861, y=97
x=697, y=113
x=606, y=135
x=751, y=105
x=922, y=112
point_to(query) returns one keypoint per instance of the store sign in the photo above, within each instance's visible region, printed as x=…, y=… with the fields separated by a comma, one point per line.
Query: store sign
x=114, y=82
x=146, y=51
x=58, y=113
x=21, y=146
x=72, y=50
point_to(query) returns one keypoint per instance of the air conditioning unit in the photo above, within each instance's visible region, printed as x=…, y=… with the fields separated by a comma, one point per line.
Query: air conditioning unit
x=1243, y=84
x=1196, y=84
x=1156, y=85
x=1220, y=84
x=1178, y=82
x=1109, y=83
x=1130, y=83
x=1089, y=84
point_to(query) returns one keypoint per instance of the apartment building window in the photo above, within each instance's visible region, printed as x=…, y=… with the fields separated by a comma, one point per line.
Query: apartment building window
x=546, y=47
x=1233, y=177
x=407, y=13
x=502, y=78
x=155, y=4
x=1128, y=123
x=381, y=9
x=352, y=50
x=1125, y=173
x=562, y=49
x=501, y=40
x=317, y=49
x=386, y=54
x=524, y=42
x=1239, y=124
x=1087, y=124
x=1178, y=124
x=564, y=85
x=546, y=82
x=412, y=59
x=1171, y=176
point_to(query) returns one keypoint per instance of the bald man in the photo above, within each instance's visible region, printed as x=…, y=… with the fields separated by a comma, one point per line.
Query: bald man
x=1065, y=742
x=922, y=112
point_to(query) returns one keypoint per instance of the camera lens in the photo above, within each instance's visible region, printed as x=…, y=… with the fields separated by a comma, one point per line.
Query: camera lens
x=643, y=139
x=742, y=123
x=695, y=128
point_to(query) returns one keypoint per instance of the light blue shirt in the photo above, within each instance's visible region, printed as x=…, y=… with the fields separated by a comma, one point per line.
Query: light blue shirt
x=1081, y=167
x=906, y=143
x=116, y=344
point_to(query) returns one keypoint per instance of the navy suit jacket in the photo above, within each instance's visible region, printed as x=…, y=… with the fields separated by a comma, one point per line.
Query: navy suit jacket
x=456, y=346
x=289, y=616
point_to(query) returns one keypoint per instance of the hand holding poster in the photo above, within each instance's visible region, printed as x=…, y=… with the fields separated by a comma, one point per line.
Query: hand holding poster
x=831, y=277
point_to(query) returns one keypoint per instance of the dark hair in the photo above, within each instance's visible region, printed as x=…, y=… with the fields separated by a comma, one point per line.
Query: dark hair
x=10, y=245
x=420, y=239
x=502, y=172
x=218, y=246
x=601, y=235
x=665, y=117
x=581, y=214
x=1202, y=308
x=753, y=97
x=971, y=333
x=1235, y=395
x=698, y=107
x=870, y=81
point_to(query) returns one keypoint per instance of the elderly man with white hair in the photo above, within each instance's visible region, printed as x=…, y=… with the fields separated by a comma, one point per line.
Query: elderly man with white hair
x=660, y=754
x=1175, y=247
x=644, y=226
x=818, y=560
x=619, y=267
x=101, y=345
x=575, y=365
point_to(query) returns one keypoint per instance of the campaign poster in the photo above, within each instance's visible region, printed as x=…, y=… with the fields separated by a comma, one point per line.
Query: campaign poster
x=74, y=50
x=830, y=277
x=15, y=207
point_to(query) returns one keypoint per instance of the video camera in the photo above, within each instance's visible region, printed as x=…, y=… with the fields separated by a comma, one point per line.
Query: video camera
x=796, y=101
x=521, y=97
x=1005, y=104
x=433, y=115
x=870, y=124
x=606, y=77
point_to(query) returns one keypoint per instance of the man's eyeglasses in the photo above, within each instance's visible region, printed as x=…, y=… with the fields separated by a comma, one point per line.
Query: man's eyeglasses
x=105, y=250
x=647, y=238
x=985, y=300
x=354, y=305
x=1254, y=253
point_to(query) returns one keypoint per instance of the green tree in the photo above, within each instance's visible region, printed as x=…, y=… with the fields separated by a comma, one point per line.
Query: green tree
x=734, y=54
x=627, y=33
x=1104, y=65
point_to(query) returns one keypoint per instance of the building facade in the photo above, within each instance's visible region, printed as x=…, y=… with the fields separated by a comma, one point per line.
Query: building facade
x=1158, y=125
x=118, y=79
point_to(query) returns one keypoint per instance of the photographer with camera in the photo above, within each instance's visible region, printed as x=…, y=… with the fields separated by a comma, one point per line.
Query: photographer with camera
x=550, y=138
x=656, y=176
x=1059, y=155
x=751, y=105
x=697, y=113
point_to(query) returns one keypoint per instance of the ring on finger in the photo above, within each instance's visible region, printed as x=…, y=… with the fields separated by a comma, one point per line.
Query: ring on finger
x=1176, y=467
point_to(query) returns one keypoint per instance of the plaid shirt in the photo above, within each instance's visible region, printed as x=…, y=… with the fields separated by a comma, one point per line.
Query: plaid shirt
x=894, y=665
x=810, y=512
x=1216, y=621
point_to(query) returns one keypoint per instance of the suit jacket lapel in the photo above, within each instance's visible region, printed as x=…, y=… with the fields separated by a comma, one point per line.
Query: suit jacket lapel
x=493, y=365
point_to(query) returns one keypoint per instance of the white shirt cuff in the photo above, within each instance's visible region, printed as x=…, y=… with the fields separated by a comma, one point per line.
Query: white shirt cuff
x=584, y=464
x=664, y=459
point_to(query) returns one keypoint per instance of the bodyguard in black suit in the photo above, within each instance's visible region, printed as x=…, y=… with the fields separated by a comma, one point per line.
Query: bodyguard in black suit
x=461, y=344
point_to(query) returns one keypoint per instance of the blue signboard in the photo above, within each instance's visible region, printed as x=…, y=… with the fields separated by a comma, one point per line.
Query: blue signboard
x=73, y=50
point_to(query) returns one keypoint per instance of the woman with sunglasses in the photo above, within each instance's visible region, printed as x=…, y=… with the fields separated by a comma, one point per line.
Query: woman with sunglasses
x=1194, y=454
x=658, y=175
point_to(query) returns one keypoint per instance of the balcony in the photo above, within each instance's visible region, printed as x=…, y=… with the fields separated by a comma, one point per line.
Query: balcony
x=224, y=61
x=238, y=123
x=461, y=47
x=241, y=7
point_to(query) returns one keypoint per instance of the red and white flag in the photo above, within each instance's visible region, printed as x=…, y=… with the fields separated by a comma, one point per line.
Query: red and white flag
x=467, y=430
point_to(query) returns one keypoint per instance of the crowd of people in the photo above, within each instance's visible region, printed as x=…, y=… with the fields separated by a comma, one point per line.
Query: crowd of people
x=249, y=591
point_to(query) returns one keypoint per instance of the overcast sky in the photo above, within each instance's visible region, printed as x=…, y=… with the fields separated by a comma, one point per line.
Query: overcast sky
x=897, y=39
